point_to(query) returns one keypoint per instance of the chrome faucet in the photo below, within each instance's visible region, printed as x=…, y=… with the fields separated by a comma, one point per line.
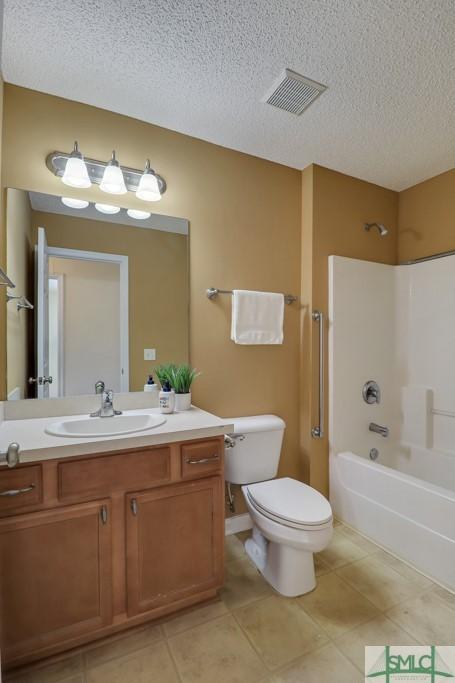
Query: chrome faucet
x=379, y=429
x=107, y=405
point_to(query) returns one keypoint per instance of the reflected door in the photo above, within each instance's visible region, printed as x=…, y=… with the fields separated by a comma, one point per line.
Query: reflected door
x=42, y=316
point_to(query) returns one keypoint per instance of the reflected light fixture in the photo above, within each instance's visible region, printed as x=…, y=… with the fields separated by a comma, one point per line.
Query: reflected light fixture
x=75, y=203
x=76, y=174
x=148, y=189
x=138, y=215
x=113, y=181
x=107, y=208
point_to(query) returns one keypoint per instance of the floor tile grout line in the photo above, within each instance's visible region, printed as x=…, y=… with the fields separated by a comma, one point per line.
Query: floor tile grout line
x=279, y=669
x=174, y=663
x=275, y=670
x=250, y=641
x=122, y=636
x=421, y=591
x=345, y=656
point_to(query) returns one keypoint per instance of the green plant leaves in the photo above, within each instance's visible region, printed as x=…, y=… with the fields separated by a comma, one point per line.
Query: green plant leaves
x=180, y=377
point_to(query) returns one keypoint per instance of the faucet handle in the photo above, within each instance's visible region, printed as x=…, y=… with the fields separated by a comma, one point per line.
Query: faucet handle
x=99, y=387
x=108, y=396
x=11, y=457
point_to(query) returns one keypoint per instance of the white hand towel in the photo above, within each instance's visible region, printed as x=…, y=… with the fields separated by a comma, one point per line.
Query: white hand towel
x=257, y=317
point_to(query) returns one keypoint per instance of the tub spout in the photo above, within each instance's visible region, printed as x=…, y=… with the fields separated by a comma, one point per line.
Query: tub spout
x=379, y=429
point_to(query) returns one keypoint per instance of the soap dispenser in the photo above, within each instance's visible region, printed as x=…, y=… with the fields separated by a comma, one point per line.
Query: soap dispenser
x=167, y=398
x=150, y=385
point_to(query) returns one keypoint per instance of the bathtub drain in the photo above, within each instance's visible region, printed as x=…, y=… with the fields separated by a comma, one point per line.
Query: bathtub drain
x=374, y=454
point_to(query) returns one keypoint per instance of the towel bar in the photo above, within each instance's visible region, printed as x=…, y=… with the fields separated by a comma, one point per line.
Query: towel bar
x=213, y=292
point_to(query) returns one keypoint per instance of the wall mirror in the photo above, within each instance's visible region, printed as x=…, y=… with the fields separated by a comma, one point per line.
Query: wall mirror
x=97, y=296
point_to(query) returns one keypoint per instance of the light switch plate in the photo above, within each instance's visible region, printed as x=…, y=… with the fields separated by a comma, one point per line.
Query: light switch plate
x=149, y=354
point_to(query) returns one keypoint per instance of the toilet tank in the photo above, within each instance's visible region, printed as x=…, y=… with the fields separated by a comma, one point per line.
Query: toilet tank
x=256, y=449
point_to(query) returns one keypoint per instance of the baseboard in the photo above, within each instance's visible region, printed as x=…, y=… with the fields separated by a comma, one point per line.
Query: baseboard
x=237, y=523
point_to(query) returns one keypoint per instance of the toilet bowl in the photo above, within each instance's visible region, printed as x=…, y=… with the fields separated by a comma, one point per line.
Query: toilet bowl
x=291, y=521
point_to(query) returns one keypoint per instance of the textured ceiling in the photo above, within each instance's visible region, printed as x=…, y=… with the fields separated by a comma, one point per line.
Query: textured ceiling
x=202, y=67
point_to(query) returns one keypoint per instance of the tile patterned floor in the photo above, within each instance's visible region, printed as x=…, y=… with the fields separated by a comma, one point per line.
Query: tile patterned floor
x=364, y=597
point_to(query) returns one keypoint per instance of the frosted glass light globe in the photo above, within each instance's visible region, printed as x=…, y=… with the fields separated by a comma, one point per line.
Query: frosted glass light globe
x=113, y=181
x=148, y=189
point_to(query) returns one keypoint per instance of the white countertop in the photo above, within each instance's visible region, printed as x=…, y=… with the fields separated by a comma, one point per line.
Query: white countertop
x=35, y=444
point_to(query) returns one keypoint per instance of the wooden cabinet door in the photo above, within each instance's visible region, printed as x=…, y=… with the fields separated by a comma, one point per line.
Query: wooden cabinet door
x=174, y=543
x=55, y=576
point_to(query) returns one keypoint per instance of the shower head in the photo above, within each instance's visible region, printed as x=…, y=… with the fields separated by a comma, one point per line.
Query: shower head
x=381, y=228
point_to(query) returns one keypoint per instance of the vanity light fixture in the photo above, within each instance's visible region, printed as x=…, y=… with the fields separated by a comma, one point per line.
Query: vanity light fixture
x=75, y=173
x=107, y=208
x=148, y=188
x=138, y=215
x=148, y=185
x=74, y=203
x=113, y=181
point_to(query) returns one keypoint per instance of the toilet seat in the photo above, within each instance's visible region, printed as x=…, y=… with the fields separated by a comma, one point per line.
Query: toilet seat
x=291, y=503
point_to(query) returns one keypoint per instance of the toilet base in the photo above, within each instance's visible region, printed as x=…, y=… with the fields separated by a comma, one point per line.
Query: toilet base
x=290, y=571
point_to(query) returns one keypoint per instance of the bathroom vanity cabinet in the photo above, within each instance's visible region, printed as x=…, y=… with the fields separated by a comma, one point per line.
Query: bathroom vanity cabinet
x=93, y=544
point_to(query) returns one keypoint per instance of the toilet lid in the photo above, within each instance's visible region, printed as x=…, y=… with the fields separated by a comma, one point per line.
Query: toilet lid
x=292, y=501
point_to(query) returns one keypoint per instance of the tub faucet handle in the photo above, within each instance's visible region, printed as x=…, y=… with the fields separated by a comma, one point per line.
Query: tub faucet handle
x=371, y=392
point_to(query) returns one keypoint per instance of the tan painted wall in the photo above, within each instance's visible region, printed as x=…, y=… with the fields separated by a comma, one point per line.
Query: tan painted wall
x=341, y=205
x=19, y=259
x=306, y=294
x=158, y=283
x=2, y=254
x=427, y=217
x=245, y=232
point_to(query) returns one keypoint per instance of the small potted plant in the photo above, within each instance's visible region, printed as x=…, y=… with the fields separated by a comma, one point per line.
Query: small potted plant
x=181, y=378
x=164, y=373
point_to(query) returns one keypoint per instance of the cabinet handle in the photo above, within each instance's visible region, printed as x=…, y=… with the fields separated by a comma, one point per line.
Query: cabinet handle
x=18, y=492
x=133, y=506
x=103, y=514
x=203, y=460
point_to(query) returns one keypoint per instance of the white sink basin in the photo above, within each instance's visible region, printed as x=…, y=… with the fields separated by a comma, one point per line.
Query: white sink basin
x=105, y=426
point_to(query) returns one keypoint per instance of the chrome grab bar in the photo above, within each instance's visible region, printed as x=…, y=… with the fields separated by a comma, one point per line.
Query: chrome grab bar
x=444, y=413
x=317, y=432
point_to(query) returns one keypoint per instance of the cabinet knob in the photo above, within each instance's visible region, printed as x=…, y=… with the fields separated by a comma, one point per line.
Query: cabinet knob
x=133, y=506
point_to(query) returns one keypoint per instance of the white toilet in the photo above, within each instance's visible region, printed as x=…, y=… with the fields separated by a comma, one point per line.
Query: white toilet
x=291, y=520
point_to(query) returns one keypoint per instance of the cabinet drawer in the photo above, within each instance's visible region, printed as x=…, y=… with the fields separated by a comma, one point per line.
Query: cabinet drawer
x=200, y=459
x=102, y=475
x=20, y=487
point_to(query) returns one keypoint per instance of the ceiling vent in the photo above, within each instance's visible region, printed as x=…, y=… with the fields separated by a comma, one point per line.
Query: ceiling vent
x=293, y=92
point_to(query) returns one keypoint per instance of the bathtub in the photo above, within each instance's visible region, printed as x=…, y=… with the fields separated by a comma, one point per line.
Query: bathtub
x=411, y=517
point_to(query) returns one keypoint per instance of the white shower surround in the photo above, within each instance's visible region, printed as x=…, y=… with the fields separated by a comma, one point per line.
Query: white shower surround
x=396, y=325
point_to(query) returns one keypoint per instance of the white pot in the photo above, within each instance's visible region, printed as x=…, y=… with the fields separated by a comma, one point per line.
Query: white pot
x=183, y=401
